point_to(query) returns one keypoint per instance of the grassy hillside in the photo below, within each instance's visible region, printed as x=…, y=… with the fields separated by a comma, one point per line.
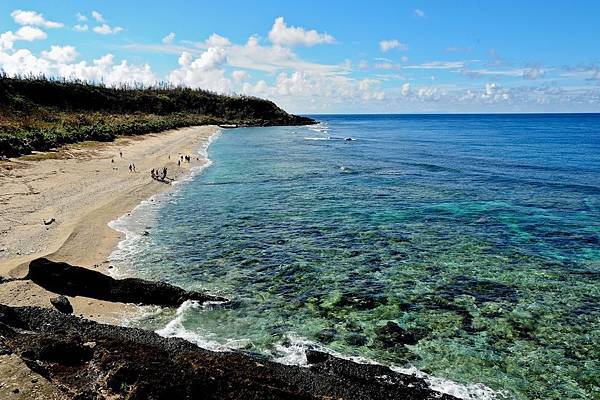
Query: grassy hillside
x=41, y=113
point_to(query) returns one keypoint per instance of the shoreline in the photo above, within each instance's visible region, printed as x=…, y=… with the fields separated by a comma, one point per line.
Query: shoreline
x=83, y=203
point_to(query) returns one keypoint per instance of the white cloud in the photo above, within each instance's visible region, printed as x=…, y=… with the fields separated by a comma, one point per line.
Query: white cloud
x=419, y=13
x=81, y=17
x=429, y=93
x=98, y=17
x=25, y=33
x=105, y=70
x=216, y=40
x=387, y=65
x=387, y=45
x=527, y=73
x=33, y=18
x=106, y=29
x=239, y=76
x=284, y=35
x=315, y=89
x=271, y=59
x=29, y=34
x=203, y=72
x=533, y=73
x=61, y=54
x=493, y=92
x=23, y=62
x=80, y=27
x=405, y=89
x=169, y=38
x=438, y=65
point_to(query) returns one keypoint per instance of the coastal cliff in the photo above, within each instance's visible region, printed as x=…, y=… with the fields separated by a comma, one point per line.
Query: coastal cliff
x=38, y=114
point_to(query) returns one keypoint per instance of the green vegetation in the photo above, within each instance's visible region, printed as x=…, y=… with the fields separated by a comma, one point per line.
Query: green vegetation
x=38, y=113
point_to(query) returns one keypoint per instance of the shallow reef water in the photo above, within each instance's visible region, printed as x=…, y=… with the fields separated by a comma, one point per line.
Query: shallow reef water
x=467, y=247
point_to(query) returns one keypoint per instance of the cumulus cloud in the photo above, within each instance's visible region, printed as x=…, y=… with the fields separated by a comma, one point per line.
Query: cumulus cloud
x=419, y=13
x=25, y=33
x=494, y=92
x=405, y=91
x=81, y=17
x=61, y=54
x=387, y=45
x=316, y=89
x=80, y=27
x=216, y=40
x=22, y=62
x=169, y=38
x=202, y=72
x=103, y=28
x=104, y=69
x=284, y=35
x=533, y=73
x=30, y=34
x=33, y=18
x=98, y=17
x=60, y=61
x=106, y=29
x=430, y=93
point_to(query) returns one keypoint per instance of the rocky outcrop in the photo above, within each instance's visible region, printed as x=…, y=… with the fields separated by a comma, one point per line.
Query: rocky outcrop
x=391, y=334
x=62, y=304
x=89, y=360
x=69, y=280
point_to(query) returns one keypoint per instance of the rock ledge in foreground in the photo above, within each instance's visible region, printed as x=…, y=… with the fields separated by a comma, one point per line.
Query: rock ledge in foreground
x=89, y=360
x=69, y=280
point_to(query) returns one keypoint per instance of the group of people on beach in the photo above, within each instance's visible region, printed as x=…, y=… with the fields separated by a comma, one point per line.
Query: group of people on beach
x=156, y=174
x=183, y=158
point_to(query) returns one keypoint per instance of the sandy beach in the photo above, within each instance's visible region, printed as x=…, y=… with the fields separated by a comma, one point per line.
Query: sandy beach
x=82, y=187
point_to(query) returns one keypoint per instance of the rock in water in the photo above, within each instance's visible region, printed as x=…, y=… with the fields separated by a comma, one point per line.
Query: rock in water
x=391, y=334
x=62, y=304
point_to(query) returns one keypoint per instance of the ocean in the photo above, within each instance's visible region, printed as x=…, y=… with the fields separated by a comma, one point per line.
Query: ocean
x=477, y=236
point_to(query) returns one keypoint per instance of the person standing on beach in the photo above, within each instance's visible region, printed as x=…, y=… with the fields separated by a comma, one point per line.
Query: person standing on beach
x=120, y=153
x=133, y=167
x=164, y=172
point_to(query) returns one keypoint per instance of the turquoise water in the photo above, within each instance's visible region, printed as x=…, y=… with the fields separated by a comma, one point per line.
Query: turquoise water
x=479, y=235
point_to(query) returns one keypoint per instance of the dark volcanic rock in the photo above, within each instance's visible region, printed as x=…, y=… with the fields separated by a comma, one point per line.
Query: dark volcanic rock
x=62, y=304
x=65, y=348
x=361, y=301
x=391, y=334
x=136, y=364
x=356, y=339
x=70, y=280
x=327, y=336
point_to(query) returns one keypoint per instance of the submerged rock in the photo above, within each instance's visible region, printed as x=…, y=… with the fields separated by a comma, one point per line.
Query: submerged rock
x=356, y=339
x=70, y=280
x=391, y=334
x=327, y=336
x=62, y=304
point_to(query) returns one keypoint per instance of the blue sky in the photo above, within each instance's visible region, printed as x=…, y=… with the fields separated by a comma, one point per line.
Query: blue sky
x=324, y=56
